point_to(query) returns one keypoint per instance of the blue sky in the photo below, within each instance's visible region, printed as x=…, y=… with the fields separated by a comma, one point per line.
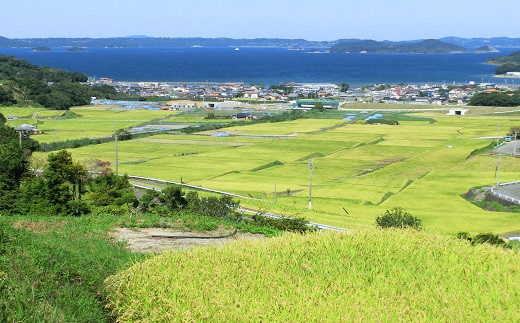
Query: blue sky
x=312, y=20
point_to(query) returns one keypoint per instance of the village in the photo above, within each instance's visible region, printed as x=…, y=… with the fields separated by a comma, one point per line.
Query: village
x=435, y=94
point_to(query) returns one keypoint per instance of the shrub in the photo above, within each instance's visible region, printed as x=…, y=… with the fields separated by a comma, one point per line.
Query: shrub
x=172, y=198
x=111, y=189
x=285, y=224
x=78, y=207
x=148, y=201
x=482, y=238
x=212, y=206
x=398, y=218
x=109, y=210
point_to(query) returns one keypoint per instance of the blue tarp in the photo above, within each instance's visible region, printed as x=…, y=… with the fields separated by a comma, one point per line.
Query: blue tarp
x=375, y=116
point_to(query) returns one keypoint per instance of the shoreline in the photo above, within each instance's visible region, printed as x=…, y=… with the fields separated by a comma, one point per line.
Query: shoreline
x=507, y=76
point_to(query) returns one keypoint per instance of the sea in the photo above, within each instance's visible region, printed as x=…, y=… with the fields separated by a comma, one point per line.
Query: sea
x=269, y=66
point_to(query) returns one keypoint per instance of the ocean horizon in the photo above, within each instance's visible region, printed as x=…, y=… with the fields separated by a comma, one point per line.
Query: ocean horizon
x=269, y=66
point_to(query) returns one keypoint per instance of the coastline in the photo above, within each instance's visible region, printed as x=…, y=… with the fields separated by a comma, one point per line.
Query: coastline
x=507, y=76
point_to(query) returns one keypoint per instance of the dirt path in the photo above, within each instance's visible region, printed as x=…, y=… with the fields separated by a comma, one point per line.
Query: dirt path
x=149, y=240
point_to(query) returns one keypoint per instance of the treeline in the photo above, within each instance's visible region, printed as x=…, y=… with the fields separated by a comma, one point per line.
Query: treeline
x=24, y=83
x=501, y=99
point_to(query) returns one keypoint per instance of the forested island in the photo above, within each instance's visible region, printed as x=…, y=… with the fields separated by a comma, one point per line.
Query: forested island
x=430, y=46
x=510, y=63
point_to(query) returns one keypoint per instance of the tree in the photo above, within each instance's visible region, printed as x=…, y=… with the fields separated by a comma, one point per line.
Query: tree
x=14, y=165
x=64, y=179
x=173, y=198
x=398, y=218
x=343, y=87
x=318, y=107
x=6, y=97
x=111, y=189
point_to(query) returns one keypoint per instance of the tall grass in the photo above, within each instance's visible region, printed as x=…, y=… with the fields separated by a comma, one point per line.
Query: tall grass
x=365, y=276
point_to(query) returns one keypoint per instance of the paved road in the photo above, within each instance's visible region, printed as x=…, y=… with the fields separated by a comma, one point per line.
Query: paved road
x=509, y=190
x=508, y=148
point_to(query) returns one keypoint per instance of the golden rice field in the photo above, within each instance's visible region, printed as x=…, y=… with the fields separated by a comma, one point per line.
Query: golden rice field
x=364, y=276
x=360, y=170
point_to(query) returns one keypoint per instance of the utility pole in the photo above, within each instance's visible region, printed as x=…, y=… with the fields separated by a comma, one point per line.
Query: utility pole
x=311, y=166
x=498, y=170
x=20, y=138
x=498, y=128
x=117, y=154
x=514, y=146
x=274, y=192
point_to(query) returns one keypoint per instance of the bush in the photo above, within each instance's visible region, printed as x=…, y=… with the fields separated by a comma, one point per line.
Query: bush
x=212, y=206
x=148, y=201
x=298, y=225
x=172, y=198
x=109, y=210
x=482, y=238
x=398, y=218
x=111, y=189
x=78, y=208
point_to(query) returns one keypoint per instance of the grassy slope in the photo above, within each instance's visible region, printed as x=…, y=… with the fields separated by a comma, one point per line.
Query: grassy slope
x=365, y=276
x=52, y=268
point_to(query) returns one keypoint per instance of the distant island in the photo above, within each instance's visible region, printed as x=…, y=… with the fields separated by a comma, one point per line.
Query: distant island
x=465, y=44
x=508, y=64
x=75, y=49
x=429, y=46
x=42, y=49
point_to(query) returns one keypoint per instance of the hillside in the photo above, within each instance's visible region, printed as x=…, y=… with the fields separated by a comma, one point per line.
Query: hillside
x=513, y=58
x=430, y=46
x=486, y=49
x=23, y=83
x=369, y=276
x=510, y=63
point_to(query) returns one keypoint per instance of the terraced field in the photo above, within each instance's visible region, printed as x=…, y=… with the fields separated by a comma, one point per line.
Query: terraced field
x=371, y=275
x=360, y=169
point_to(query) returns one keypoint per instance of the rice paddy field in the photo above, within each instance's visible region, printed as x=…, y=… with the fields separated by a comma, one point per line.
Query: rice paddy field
x=373, y=275
x=360, y=170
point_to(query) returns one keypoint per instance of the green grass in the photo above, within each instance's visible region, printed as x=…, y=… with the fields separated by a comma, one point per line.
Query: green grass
x=371, y=275
x=53, y=268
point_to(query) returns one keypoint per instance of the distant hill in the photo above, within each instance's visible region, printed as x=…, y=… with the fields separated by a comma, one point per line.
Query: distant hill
x=473, y=43
x=143, y=41
x=429, y=46
x=146, y=41
x=6, y=42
